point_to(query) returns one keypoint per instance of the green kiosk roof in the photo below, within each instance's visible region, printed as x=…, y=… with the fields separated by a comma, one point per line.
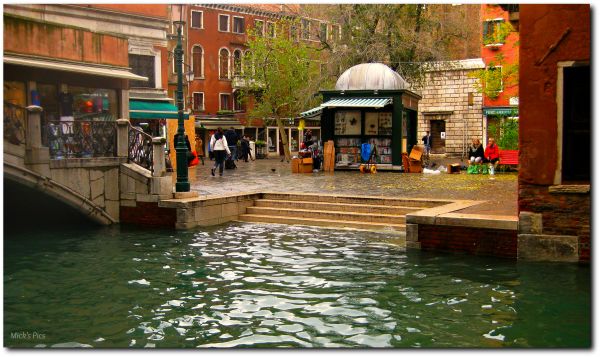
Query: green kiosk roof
x=149, y=109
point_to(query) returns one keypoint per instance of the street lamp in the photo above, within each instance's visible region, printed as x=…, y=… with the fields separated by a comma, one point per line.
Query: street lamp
x=182, y=184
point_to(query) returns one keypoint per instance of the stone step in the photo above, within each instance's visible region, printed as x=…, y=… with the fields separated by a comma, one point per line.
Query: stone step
x=370, y=226
x=328, y=215
x=332, y=206
x=369, y=200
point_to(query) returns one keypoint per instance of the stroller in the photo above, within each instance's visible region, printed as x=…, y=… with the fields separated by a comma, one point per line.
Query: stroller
x=367, y=155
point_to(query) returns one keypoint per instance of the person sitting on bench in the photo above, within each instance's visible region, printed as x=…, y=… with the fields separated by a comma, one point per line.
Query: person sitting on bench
x=492, y=154
x=475, y=152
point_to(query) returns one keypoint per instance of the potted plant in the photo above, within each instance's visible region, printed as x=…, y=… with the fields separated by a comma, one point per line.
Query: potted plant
x=260, y=149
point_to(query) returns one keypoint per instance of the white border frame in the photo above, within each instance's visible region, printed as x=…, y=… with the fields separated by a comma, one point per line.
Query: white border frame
x=220, y=106
x=228, y=23
x=201, y=20
x=233, y=24
x=202, y=59
x=267, y=29
x=221, y=78
x=203, y=102
x=262, y=30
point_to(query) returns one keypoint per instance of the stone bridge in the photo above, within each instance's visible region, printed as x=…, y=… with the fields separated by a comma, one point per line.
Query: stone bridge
x=94, y=167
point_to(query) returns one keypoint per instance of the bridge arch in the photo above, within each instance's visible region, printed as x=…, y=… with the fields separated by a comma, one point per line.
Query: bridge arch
x=60, y=192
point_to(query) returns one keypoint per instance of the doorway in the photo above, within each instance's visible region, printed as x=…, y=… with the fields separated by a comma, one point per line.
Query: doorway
x=438, y=136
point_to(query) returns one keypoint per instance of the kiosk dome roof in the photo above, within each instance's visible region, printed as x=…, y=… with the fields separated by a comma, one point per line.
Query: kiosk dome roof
x=370, y=76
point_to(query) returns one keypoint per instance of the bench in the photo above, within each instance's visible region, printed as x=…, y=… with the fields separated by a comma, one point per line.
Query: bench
x=509, y=157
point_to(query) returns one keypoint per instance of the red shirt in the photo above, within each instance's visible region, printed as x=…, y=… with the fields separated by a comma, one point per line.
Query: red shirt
x=491, y=152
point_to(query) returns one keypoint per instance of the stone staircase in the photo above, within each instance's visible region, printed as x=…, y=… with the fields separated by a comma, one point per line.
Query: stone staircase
x=365, y=213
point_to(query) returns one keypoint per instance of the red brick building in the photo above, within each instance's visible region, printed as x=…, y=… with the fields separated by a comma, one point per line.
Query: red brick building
x=500, y=52
x=215, y=45
x=554, y=135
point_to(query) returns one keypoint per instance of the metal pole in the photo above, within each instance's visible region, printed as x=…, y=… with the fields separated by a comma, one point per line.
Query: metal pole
x=182, y=184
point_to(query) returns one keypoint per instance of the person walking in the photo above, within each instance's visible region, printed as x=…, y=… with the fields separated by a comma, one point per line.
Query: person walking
x=244, y=148
x=492, y=154
x=200, y=148
x=218, y=143
x=232, y=141
x=427, y=142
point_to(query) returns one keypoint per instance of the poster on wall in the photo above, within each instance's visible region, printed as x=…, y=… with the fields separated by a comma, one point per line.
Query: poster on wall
x=385, y=123
x=371, y=123
x=347, y=123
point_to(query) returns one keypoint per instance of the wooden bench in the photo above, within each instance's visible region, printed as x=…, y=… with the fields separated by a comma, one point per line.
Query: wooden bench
x=509, y=157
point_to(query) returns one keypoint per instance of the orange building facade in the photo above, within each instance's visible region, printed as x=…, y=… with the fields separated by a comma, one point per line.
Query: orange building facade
x=500, y=52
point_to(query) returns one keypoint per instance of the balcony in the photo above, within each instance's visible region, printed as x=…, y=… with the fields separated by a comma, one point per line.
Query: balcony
x=240, y=82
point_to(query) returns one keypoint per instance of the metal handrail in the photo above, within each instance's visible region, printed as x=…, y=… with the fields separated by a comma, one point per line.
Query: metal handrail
x=139, y=148
x=15, y=123
x=81, y=138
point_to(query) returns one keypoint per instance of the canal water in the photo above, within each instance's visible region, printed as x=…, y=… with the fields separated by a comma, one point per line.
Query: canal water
x=253, y=285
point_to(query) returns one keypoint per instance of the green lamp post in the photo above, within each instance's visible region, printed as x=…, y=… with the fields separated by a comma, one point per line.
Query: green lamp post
x=182, y=184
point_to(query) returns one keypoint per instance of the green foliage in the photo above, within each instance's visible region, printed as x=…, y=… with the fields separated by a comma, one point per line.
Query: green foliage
x=259, y=143
x=509, y=133
x=492, y=81
x=280, y=74
x=498, y=34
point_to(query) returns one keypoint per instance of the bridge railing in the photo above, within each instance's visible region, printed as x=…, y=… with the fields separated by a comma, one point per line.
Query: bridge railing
x=15, y=124
x=81, y=138
x=139, y=148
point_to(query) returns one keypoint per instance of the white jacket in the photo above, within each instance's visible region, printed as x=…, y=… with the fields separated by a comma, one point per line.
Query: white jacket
x=220, y=144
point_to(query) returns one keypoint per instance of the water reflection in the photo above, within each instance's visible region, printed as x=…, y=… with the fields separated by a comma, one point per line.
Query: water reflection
x=243, y=285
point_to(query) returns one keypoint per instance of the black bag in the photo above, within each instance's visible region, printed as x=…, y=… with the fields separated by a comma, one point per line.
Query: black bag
x=230, y=164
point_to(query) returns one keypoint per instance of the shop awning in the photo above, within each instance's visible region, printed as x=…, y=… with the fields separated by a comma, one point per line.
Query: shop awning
x=212, y=123
x=77, y=67
x=313, y=113
x=149, y=109
x=506, y=111
x=357, y=102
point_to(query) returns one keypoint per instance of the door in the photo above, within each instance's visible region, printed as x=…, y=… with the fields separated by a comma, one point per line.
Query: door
x=438, y=136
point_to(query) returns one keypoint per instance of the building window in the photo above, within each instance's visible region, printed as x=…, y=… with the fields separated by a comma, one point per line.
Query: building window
x=144, y=66
x=198, y=104
x=238, y=25
x=493, y=79
x=576, y=140
x=259, y=27
x=237, y=62
x=305, y=29
x=323, y=32
x=494, y=32
x=294, y=32
x=249, y=61
x=315, y=29
x=335, y=32
x=224, y=63
x=237, y=102
x=198, y=61
x=224, y=23
x=197, y=19
x=270, y=29
x=224, y=101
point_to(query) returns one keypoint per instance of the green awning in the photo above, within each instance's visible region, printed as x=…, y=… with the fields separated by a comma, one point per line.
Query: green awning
x=512, y=111
x=150, y=109
x=312, y=113
x=357, y=102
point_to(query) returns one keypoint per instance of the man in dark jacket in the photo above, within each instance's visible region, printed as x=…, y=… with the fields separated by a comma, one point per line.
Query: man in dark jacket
x=232, y=141
x=427, y=142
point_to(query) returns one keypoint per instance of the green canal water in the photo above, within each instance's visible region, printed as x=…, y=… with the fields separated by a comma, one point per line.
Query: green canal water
x=252, y=285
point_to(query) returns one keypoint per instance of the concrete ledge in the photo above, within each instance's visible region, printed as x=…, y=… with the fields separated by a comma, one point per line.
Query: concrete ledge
x=87, y=162
x=478, y=221
x=136, y=172
x=543, y=247
x=572, y=189
x=429, y=215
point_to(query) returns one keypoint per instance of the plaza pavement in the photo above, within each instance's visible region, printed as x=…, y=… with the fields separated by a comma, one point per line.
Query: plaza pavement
x=500, y=191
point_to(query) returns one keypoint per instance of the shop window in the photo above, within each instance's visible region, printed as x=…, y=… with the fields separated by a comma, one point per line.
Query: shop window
x=197, y=19
x=305, y=29
x=271, y=29
x=576, y=145
x=198, y=61
x=224, y=101
x=144, y=66
x=198, y=104
x=224, y=63
x=323, y=31
x=89, y=103
x=224, y=23
x=238, y=25
x=49, y=100
x=259, y=27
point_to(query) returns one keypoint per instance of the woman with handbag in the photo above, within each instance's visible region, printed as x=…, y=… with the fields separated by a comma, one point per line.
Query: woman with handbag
x=218, y=144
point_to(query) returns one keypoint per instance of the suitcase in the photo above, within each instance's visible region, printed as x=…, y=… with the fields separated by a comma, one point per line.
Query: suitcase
x=229, y=163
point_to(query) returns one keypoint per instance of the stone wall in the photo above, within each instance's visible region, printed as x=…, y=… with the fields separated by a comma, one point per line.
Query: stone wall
x=446, y=90
x=94, y=179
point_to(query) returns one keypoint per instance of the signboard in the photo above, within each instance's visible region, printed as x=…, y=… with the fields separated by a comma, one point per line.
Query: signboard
x=443, y=135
